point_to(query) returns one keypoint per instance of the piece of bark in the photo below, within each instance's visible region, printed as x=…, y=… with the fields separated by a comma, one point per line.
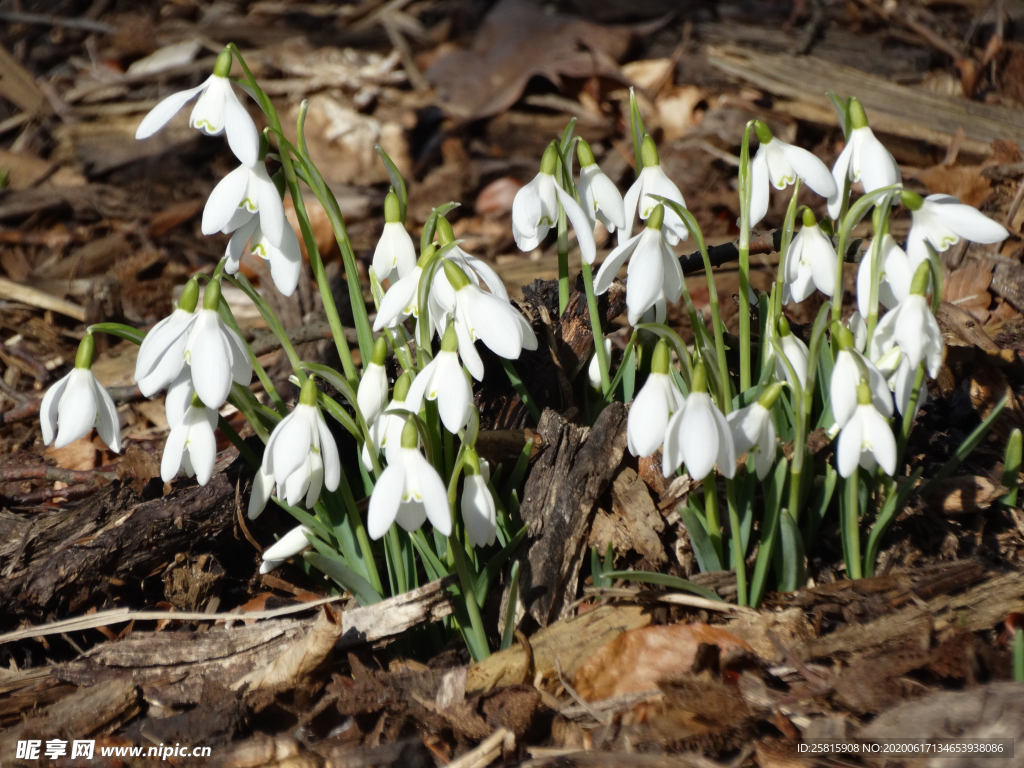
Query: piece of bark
x=558, y=504
x=636, y=514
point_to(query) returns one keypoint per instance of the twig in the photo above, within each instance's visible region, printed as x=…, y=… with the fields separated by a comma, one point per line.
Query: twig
x=241, y=519
x=766, y=242
x=485, y=753
x=43, y=495
x=1011, y=212
x=49, y=20
x=605, y=720
x=54, y=474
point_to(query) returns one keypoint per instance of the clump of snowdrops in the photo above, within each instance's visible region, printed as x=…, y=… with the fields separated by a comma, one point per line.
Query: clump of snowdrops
x=862, y=381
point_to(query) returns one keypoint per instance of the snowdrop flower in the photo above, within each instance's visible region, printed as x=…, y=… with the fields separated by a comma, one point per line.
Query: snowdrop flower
x=179, y=396
x=912, y=326
x=654, y=272
x=653, y=181
x=238, y=197
x=780, y=164
x=698, y=435
x=942, y=220
x=285, y=548
x=386, y=429
x=535, y=210
x=215, y=353
x=478, y=510
x=601, y=199
x=217, y=111
x=594, y=369
x=810, y=263
x=77, y=403
x=301, y=456
x=401, y=300
x=444, y=380
x=483, y=316
x=864, y=159
x=162, y=353
x=394, y=249
x=372, y=395
x=894, y=276
x=852, y=369
x=902, y=384
x=753, y=431
x=191, y=445
x=409, y=492
x=796, y=353
x=656, y=402
x=285, y=260
x=866, y=439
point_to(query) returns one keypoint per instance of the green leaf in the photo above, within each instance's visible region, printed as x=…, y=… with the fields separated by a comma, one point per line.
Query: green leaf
x=434, y=567
x=703, y=549
x=774, y=483
x=567, y=136
x=489, y=574
x=636, y=122
x=792, y=553
x=968, y=445
x=508, y=633
x=664, y=580
x=344, y=576
x=1011, y=468
x=842, y=110
x=120, y=330
x=397, y=182
x=515, y=480
x=818, y=509
x=897, y=500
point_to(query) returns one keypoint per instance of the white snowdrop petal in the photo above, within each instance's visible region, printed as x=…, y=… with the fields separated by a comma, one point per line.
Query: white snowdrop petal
x=108, y=423
x=202, y=447
x=432, y=491
x=840, y=174
x=809, y=168
x=174, y=447
x=224, y=200
x=262, y=486
x=478, y=511
x=384, y=501
x=272, y=221
x=758, y=186
x=163, y=112
x=613, y=263
x=48, y=418
x=699, y=436
x=848, y=447
x=289, y=545
x=241, y=130
x=76, y=411
x=879, y=435
x=580, y=223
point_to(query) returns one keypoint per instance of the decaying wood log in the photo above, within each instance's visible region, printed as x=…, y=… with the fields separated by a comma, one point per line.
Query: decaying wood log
x=558, y=504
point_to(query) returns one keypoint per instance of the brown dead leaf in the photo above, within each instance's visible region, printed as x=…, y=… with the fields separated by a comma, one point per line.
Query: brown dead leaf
x=962, y=181
x=178, y=213
x=81, y=454
x=496, y=198
x=956, y=495
x=649, y=73
x=137, y=467
x=967, y=288
x=677, y=110
x=636, y=661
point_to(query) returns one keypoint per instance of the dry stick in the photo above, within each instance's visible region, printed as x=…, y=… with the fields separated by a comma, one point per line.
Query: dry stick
x=53, y=474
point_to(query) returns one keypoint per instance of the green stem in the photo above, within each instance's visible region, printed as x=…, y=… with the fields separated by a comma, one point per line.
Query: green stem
x=1018, y=655
x=908, y=417
x=744, y=254
x=563, y=260
x=739, y=556
x=236, y=440
x=362, y=537
x=397, y=561
x=595, y=325
x=711, y=510
x=852, y=526
x=787, y=240
x=466, y=582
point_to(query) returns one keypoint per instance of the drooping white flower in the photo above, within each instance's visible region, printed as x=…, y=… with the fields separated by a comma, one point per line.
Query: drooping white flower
x=401, y=300
x=810, y=263
x=395, y=249
x=902, y=383
x=535, y=210
x=479, y=513
x=215, y=353
x=942, y=220
x=217, y=111
x=483, y=316
x=653, y=181
x=408, y=492
x=864, y=159
x=894, y=276
x=285, y=261
x=796, y=353
x=599, y=195
x=162, y=353
x=859, y=328
x=444, y=380
x=372, y=394
x=780, y=164
x=698, y=435
x=753, y=431
x=301, y=455
x=191, y=445
x=238, y=197
x=654, y=272
x=77, y=403
x=913, y=327
x=656, y=402
x=594, y=369
x=865, y=439
x=179, y=396
x=386, y=429
x=285, y=548
x=851, y=369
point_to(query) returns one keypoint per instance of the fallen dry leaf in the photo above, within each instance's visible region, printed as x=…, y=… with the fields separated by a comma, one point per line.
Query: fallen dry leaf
x=677, y=110
x=496, y=198
x=637, y=660
x=962, y=181
x=81, y=454
x=967, y=288
x=649, y=73
x=956, y=495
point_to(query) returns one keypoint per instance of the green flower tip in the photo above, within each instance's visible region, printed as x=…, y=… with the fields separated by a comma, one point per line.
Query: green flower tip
x=550, y=159
x=308, y=394
x=863, y=393
x=920, y=283
x=649, y=151
x=189, y=296
x=223, y=66
x=402, y=386
x=764, y=133
x=450, y=340
x=380, y=351
x=445, y=233
x=783, y=326
x=392, y=208
x=912, y=200
x=809, y=220
x=211, y=296
x=770, y=395
x=426, y=255
x=844, y=338
x=858, y=119
x=455, y=275
x=585, y=154
x=699, y=379
x=410, y=436
x=83, y=359
x=661, y=359
x=657, y=217
x=472, y=461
